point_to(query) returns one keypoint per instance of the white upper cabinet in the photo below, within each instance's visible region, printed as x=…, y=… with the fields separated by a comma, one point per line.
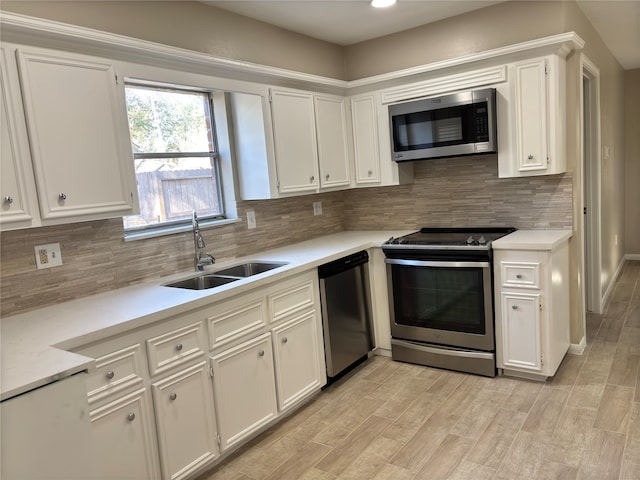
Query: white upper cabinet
x=294, y=135
x=532, y=124
x=17, y=194
x=333, y=148
x=365, y=139
x=76, y=119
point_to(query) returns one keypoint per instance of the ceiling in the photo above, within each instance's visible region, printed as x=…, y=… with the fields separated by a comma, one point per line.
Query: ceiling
x=345, y=22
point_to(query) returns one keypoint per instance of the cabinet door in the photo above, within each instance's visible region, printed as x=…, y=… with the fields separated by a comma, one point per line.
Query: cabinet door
x=294, y=140
x=123, y=441
x=297, y=359
x=79, y=138
x=185, y=421
x=521, y=336
x=331, y=130
x=531, y=115
x=244, y=389
x=365, y=139
x=15, y=171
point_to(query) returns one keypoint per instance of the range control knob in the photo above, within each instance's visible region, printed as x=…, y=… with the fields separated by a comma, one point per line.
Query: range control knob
x=470, y=240
x=482, y=241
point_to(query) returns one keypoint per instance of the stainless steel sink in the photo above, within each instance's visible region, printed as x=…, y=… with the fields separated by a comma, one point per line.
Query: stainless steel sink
x=202, y=282
x=226, y=275
x=248, y=269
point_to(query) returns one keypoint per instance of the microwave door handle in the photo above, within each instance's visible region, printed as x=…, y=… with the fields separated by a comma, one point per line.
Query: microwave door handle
x=422, y=263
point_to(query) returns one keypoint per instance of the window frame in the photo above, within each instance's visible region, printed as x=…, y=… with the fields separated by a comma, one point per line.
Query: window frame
x=222, y=163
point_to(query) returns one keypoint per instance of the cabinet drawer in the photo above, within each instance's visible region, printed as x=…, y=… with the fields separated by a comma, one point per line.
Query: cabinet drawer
x=175, y=348
x=236, y=321
x=520, y=274
x=291, y=300
x=115, y=371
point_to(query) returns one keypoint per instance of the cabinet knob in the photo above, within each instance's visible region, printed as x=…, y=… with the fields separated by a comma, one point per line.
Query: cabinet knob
x=370, y=172
x=261, y=353
x=312, y=178
x=518, y=276
x=327, y=176
x=131, y=417
x=530, y=157
x=514, y=307
x=284, y=340
x=62, y=196
x=8, y=199
x=173, y=396
x=110, y=374
x=179, y=347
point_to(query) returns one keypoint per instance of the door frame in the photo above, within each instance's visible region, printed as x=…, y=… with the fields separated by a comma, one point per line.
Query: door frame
x=590, y=167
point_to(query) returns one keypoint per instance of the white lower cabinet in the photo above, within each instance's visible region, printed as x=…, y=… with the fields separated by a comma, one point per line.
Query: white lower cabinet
x=244, y=387
x=123, y=439
x=185, y=421
x=531, y=271
x=521, y=321
x=296, y=359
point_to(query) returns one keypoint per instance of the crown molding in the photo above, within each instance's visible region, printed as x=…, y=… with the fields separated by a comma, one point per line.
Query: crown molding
x=21, y=28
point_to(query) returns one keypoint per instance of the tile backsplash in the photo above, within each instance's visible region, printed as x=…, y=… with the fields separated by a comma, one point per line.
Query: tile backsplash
x=451, y=192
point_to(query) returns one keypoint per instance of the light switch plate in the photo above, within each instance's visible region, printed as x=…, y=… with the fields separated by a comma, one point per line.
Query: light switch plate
x=317, y=208
x=48, y=256
x=251, y=219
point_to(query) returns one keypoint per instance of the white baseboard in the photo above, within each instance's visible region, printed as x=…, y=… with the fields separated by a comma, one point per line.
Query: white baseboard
x=632, y=256
x=578, y=348
x=612, y=283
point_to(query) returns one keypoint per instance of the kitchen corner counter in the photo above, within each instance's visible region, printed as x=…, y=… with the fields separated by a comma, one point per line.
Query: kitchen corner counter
x=532, y=240
x=35, y=345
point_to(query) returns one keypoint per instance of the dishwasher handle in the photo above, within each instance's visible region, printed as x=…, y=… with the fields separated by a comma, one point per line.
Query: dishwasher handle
x=343, y=264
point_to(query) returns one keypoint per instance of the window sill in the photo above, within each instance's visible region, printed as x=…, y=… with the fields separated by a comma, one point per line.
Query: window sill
x=160, y=232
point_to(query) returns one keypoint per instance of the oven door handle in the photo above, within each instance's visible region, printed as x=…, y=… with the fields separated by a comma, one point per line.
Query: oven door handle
x=422, y=263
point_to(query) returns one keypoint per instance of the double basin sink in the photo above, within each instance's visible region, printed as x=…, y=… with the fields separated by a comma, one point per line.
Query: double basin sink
x=225, y=275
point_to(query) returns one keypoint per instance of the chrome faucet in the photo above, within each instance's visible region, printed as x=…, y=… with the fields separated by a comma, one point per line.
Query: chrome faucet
x=201, y=259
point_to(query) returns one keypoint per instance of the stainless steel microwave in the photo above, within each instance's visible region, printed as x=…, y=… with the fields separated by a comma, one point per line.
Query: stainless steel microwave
x=462, y=123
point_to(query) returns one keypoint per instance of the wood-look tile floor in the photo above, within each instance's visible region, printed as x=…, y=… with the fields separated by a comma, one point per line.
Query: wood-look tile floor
x=397, y=421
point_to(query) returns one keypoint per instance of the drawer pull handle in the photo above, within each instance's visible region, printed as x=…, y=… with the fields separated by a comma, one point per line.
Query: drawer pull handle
x=131, y=417
x=514, y=307
x=519, y=276
x=284, y=340
x=173, y=396
x=261, y=353
x=179, y=347
x=110, y=374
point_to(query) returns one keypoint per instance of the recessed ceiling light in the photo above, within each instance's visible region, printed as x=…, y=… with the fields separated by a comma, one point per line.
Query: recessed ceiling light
x=382, y=3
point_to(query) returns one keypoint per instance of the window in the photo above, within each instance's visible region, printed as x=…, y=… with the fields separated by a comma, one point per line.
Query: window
x=176, y=160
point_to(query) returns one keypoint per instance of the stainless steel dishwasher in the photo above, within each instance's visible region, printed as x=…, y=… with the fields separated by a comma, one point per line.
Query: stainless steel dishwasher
x=346, y=311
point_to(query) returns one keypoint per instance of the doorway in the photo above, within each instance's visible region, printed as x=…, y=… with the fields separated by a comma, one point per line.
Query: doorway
x=591, y=196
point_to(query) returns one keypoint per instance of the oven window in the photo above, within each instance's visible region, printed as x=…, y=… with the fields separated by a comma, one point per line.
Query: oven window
x=441, y=298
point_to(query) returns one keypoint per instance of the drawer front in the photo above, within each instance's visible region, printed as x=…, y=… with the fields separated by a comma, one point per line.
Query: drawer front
x=175, y=348
x=236, y=321
x=291, y=300
x=115, y=371
x=520, y=274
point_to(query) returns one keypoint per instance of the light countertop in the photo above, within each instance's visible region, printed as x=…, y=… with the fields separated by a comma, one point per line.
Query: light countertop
x=532, y=240
x=35, y=344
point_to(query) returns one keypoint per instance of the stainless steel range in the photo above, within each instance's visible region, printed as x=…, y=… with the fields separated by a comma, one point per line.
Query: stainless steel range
x=441, y=298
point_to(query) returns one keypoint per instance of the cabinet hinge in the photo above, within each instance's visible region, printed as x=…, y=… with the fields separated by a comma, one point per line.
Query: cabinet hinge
x=218, y=439
x=116, y=79
x=546, y=69
x=548, y=160
x=540, y=306
x=541, y=360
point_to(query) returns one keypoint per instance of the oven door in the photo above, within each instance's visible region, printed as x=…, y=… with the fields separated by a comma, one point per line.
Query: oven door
x=441, y=302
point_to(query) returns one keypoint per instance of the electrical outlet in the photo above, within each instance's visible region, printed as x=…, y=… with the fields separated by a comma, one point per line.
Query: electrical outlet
x=48, y=256
x=251, y=219
x=317, y=208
